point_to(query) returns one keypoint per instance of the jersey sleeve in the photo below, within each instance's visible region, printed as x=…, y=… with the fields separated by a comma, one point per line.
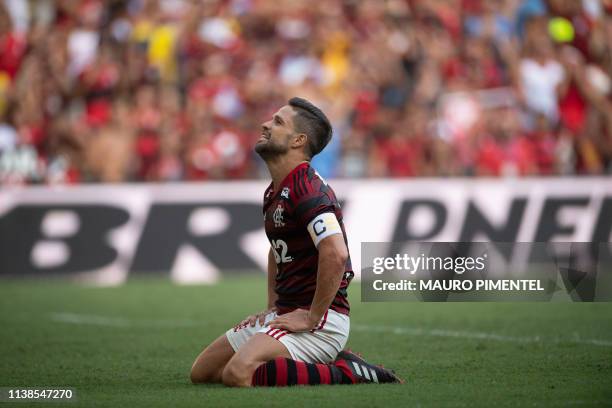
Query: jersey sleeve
x=266, y=197
x=317, y=213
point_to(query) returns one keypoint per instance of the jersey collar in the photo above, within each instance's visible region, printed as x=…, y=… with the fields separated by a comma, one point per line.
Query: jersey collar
x=287, y=180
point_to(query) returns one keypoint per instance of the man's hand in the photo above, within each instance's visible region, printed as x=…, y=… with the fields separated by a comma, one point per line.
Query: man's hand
x=261, y=317
x=297, y=321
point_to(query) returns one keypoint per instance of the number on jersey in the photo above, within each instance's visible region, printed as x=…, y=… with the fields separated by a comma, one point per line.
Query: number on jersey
x=278, y=245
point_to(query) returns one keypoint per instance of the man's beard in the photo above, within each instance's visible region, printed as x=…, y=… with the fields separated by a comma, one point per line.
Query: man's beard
x=270, y=150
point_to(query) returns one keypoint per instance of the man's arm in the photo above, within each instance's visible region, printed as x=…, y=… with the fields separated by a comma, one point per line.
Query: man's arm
x=272, y=296
x=332, y=261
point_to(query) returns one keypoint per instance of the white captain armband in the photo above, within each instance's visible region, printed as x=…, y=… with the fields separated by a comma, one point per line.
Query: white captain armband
x=322, y=226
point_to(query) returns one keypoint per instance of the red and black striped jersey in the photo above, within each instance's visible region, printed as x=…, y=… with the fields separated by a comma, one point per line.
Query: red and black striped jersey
x=301, y=197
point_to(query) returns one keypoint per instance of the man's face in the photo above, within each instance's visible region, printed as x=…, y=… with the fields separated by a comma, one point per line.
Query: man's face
x=276, y=134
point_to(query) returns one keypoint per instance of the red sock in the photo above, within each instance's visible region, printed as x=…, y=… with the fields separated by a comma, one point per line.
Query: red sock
x=282, y=372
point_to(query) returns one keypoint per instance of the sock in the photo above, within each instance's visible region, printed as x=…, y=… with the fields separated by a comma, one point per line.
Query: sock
x=282, y=372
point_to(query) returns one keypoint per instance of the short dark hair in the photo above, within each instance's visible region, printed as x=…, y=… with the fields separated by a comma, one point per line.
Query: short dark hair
x=311, y=121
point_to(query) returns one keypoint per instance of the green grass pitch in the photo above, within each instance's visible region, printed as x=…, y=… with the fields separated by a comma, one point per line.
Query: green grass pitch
x=133, y=345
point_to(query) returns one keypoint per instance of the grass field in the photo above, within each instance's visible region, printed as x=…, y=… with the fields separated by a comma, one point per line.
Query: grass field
x=133, y=346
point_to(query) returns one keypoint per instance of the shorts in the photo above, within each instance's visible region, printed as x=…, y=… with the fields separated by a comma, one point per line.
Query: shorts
x=320, y=345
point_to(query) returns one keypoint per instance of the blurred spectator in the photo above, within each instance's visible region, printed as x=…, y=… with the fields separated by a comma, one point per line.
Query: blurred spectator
x=540, y=71
x=171, y=90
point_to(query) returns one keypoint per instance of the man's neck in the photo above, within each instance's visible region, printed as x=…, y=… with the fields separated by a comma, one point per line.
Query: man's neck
x=280, y=168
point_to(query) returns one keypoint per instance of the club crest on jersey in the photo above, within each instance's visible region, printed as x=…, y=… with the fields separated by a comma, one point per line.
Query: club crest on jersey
x=278, y=216
x=285, y=193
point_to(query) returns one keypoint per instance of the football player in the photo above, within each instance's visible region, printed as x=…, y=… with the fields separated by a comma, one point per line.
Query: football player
x=300, y=337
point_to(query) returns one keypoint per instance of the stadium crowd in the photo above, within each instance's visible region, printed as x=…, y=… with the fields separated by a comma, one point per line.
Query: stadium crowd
x=167, y=90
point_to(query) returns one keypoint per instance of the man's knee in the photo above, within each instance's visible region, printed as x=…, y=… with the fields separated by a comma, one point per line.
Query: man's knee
x=202, y=372
x=260, y=348
x=198, y=375
x=238, y=373
x=209, y=365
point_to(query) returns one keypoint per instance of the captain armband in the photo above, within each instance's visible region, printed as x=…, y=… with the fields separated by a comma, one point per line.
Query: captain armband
x=322, y=226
